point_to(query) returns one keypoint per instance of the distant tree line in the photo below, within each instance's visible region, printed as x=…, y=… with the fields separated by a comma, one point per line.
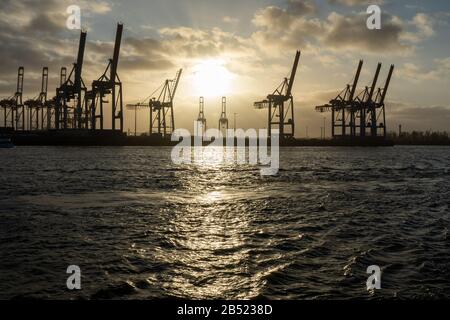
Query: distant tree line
x=420, y=138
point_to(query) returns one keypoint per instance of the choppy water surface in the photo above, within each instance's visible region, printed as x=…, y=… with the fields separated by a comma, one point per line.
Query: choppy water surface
x=140, y=227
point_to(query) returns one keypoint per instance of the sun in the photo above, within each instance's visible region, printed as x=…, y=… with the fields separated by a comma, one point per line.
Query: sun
x=212, y=78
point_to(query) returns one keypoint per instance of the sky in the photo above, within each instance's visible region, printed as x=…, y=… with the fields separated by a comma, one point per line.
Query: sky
x=243, y=50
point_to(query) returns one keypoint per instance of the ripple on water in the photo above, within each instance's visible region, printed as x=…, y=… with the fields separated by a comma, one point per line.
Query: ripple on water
x=140, y=227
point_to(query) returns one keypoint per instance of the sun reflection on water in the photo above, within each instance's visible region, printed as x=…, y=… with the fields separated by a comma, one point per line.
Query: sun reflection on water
x=211, y=237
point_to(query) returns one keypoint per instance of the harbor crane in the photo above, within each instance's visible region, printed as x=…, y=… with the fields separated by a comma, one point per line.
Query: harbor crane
x=37, y=106
x=201, y=120
x=280, y=105
x=339, y=105
x=51, y=105
x=162, y=120
x=13, y=107
x=359, y=109
x=136, y=107
x=347, y=108
x=73, y=89
x=107, y=85
x=223, y=120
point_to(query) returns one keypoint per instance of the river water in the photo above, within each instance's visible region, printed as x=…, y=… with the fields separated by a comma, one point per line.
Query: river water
x=140, y=227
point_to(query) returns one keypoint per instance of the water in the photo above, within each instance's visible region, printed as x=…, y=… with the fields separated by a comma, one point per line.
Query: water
x=140, y=227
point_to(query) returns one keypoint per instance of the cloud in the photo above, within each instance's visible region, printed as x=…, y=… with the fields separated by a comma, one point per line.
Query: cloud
x=351, y=3
x=96, y=7
x=141, y=64
x=47, y=22
x=415, y=73
x=195, y=43
x=423, y=24
x=301, y=7
x=297, y=26
x=351, y=32
x=230, y=20
x=281, y=28
x=143, y=55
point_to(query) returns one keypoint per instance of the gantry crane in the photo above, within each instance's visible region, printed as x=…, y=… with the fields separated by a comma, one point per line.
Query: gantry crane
x=73, y=88
x=201, y=119
x=104, y=86
x=339, y=105
x=38, y=105
x=223, y=120
x=13, y=107
x=347, y=108
x=162, y=121
x=162, y=108
x=280, y=105
x=359, y=109
x=135, y=107
x=51, y=106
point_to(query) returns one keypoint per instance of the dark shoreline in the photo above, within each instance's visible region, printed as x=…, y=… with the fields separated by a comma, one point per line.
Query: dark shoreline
x=114, y=138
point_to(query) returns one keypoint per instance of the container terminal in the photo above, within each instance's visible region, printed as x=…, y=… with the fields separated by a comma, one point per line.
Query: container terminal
x=76, y=115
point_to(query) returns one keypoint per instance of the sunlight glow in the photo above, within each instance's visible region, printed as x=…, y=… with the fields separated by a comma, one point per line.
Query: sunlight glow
x=212, y=78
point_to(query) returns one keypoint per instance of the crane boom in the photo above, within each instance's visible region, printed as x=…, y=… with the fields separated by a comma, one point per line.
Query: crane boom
x=355, y=81
x=374, y=83
x=80, y=58
x=115, y=59
x=293, y=73
x=386, y=86
x=175, y=86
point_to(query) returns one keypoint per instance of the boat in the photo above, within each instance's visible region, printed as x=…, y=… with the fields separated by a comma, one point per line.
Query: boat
x=6, y=143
